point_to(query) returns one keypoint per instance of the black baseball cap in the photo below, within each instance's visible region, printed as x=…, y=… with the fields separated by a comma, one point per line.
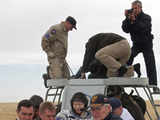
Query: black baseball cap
x=72, y=21
x=98, y=100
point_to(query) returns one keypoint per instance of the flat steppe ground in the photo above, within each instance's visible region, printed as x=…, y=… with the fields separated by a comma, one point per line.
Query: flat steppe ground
x=8, y=111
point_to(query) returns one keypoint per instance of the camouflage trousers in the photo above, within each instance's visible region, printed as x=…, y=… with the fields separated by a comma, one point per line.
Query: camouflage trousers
x=58, y=68
x=114, y=56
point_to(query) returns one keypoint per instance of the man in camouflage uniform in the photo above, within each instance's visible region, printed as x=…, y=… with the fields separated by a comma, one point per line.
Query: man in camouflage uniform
x=55, y=44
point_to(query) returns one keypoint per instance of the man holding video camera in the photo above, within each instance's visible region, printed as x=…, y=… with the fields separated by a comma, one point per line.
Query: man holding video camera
x=138, y=24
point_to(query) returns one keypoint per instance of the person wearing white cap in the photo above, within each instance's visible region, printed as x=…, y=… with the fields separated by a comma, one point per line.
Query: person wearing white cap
x=79, y=109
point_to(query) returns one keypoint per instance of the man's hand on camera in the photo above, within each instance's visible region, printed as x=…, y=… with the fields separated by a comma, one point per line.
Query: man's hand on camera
x=132, y=17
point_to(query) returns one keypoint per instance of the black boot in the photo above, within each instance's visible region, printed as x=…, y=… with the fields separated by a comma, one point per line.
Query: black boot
x=137, y=69
x=48, y=67
x=45, y=78
x=156, y=90
x=121, y=71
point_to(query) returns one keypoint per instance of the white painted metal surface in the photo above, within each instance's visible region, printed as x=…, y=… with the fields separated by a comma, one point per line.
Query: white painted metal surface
x=92, y=86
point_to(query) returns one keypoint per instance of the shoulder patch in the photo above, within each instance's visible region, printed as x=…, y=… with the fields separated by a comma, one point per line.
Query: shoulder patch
x=47, y=36
x=53, y=32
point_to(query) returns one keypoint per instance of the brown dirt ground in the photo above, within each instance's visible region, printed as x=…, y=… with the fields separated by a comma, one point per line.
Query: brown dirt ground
x=8, y=111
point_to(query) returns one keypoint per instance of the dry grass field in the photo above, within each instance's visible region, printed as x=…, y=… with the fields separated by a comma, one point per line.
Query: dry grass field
x=7, y=111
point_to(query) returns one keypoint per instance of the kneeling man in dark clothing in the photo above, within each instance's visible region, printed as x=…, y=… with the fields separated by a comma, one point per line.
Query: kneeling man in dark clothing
x=111, y=50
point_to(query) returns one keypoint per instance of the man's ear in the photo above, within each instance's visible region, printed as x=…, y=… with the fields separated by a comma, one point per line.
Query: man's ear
x=17, y=111
x=40, y=115
x=108, y=107
x=38, y=112
x=121, y=108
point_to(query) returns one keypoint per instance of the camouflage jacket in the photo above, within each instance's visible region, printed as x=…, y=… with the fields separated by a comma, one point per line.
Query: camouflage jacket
x=55, y=41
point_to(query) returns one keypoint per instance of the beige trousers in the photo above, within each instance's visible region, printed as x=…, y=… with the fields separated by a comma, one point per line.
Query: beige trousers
x=114, y=56
x=58, y=68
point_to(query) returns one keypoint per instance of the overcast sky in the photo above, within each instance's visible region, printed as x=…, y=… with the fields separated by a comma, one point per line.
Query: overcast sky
x=23, y=22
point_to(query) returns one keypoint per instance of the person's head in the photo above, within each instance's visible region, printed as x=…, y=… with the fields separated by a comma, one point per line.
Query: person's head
x=137, y=7
x=47, y=111
x=25, y=110
x=116, y=105
x=79, y=103
x=100, y=107
x=70, y=23
x=36, y=100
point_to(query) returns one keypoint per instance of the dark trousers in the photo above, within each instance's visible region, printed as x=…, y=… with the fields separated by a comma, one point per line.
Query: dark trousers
x=149, y=59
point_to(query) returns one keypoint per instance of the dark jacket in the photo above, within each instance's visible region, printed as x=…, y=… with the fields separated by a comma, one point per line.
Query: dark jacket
x=140, y=30
x=95, y=43
x=112, y=117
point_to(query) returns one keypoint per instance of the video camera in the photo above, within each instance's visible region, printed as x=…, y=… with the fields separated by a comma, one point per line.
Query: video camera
x=129, y=11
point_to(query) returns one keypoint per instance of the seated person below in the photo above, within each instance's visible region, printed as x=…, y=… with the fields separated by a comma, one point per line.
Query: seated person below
x=79, y=105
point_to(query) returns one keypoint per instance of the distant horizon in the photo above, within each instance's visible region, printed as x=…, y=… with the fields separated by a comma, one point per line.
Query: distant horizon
x=21, y=81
